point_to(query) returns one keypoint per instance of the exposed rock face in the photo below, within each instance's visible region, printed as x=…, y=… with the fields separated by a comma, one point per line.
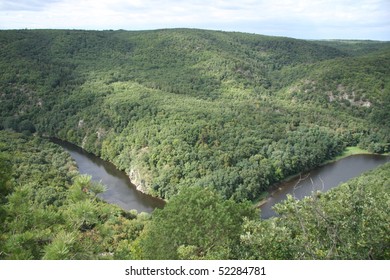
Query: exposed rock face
x=350, y=96
x=136, y=179
x=80, y=124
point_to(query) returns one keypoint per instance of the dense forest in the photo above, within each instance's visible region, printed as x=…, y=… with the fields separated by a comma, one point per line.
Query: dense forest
x=49, y=211
x=207, y=117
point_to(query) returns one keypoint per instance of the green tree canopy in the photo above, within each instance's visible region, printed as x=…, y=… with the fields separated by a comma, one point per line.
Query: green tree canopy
x=196, y=224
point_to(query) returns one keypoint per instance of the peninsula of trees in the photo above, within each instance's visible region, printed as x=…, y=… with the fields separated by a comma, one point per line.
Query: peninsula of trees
x=210, y=118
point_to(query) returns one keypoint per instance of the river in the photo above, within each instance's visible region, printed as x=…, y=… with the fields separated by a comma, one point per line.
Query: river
x=120, y=190
x=322, y=178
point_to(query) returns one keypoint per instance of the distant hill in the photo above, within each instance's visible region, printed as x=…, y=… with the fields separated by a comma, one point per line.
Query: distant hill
x=185, y=107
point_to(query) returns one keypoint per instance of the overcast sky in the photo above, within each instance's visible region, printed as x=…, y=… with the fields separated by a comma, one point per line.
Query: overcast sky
x=306, y=19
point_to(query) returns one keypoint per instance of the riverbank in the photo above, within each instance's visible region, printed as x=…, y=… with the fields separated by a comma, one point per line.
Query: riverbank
x=352, y=151
x=349, y=151
x=277, y=187
x=120, y=190
x=121, y=196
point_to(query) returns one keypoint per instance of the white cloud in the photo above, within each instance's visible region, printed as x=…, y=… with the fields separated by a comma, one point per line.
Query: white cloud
x=298, y=18
x=25, y=5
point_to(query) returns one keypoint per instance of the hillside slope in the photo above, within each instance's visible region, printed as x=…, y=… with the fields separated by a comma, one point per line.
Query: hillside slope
x=49, y=211
x=178, y=108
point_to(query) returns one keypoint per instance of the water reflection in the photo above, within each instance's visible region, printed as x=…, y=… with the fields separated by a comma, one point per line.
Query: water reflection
x=322, y=178
x=120, y=190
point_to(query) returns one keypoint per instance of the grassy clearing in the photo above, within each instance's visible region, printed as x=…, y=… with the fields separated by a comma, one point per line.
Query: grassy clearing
x=349, y=151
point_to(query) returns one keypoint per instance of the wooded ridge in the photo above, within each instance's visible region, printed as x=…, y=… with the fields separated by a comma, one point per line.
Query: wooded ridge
x=184, y=107
x=207, y=120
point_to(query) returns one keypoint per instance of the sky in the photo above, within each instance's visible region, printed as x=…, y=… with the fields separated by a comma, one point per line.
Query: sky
x=304, y=19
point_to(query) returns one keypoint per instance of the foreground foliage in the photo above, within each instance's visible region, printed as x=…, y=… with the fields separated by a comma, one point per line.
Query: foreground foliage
x=49, y=211
x=348, y=222
x=197, y=224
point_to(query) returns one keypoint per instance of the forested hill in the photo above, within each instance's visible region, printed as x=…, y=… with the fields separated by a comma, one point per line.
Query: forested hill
x=177, y=108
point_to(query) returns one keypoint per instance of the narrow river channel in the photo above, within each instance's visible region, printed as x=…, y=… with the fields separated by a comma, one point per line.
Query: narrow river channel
x=322, y=178
x=120, y=190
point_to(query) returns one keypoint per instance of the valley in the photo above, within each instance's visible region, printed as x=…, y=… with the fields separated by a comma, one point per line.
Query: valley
x=185, y=113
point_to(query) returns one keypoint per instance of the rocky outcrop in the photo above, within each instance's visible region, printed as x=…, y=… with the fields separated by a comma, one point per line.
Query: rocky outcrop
x=136, y=179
